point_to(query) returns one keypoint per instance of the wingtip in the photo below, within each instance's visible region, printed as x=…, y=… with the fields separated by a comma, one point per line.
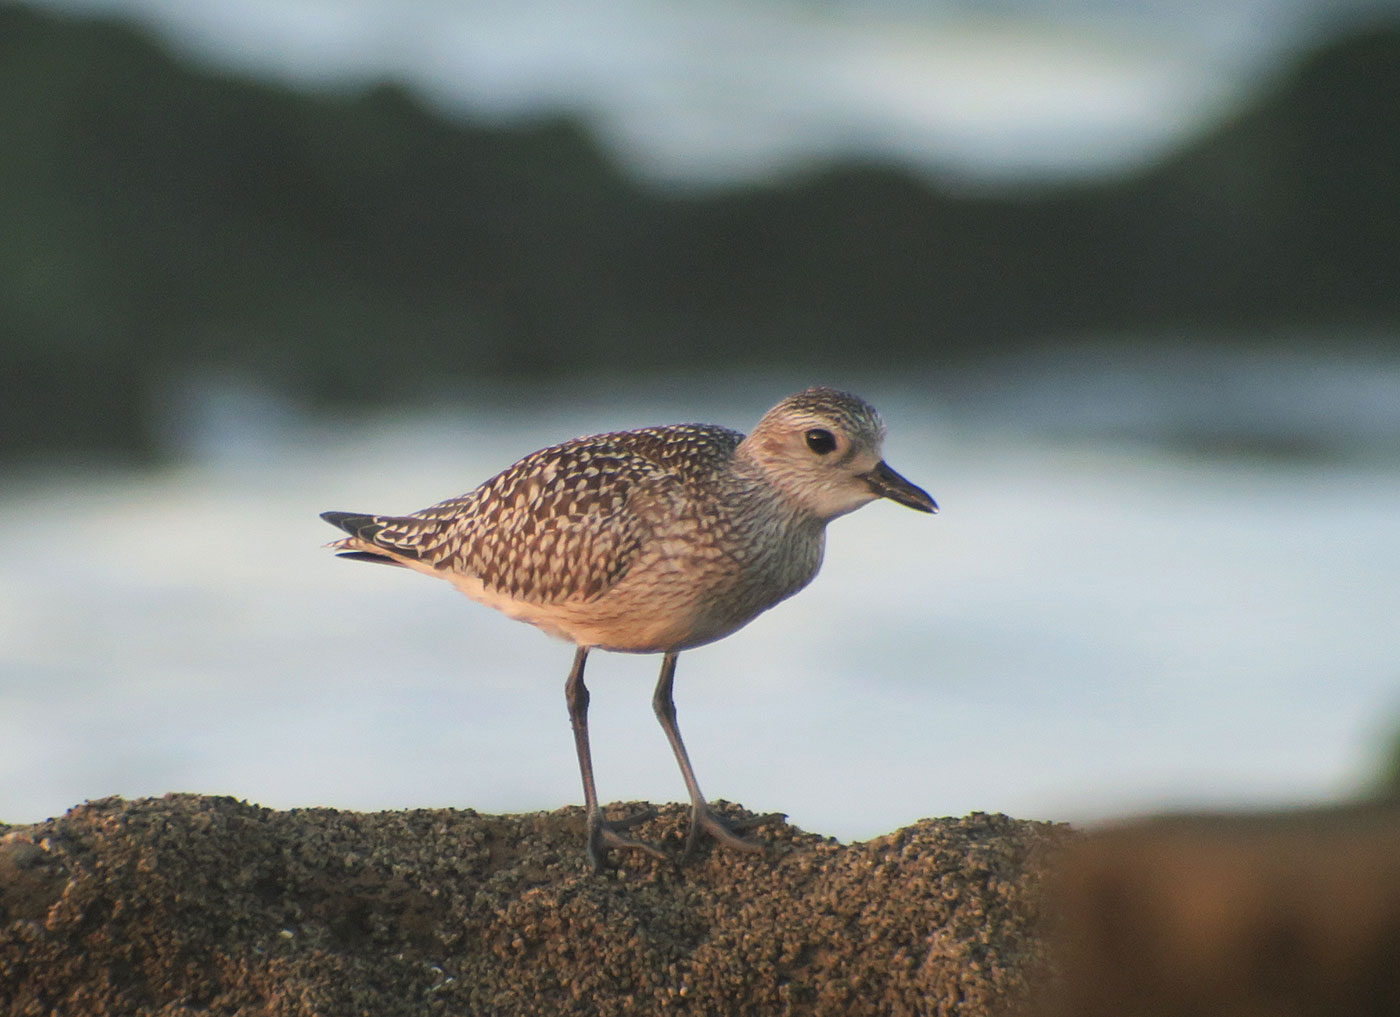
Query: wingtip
x=364, y=539
x=350, y=522
x=369, y=556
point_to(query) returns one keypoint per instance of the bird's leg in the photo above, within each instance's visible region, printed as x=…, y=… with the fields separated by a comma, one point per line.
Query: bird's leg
x=703, y=819
x=602, y=835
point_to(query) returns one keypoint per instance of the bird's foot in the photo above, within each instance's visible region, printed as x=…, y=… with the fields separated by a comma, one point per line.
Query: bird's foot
x=604, y=836
x=705, y=820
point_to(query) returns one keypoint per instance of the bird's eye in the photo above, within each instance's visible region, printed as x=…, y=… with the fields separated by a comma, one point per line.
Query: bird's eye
x=821, y=441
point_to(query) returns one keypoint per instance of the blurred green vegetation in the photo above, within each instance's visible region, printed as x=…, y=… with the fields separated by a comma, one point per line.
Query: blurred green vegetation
x=1385, y=783
x=156, y=217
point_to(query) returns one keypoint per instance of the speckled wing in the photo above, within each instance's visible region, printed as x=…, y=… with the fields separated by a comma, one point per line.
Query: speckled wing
x=564, y=523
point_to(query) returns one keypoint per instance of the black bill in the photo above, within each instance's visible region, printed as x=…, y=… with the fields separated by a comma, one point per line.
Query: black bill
x=886, y=483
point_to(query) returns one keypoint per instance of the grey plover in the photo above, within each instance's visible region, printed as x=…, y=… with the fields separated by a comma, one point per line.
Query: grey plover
x=650, y=541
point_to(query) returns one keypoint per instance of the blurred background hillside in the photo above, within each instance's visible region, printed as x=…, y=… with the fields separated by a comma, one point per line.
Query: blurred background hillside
x=1123, y=278
x=233, y=186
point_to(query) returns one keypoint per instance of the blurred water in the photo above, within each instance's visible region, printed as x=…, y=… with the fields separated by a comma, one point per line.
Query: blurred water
x=1154, y=582
x=713, y=92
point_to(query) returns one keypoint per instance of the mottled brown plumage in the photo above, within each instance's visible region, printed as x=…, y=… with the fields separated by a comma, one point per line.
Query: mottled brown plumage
x=650, y=541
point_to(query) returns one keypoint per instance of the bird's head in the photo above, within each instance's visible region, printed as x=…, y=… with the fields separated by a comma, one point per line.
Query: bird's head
x=823, y=449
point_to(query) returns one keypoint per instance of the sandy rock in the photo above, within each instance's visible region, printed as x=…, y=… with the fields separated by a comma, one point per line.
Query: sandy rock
x=192, y=905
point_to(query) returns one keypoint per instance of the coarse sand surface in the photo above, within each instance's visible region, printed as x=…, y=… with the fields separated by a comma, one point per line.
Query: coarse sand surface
x=189, y=905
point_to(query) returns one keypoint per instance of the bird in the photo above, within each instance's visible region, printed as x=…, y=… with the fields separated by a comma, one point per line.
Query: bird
x=655, y=540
